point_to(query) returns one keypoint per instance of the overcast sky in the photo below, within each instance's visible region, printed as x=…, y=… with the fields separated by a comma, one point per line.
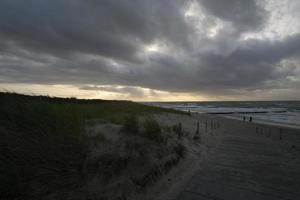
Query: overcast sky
x=152, y=49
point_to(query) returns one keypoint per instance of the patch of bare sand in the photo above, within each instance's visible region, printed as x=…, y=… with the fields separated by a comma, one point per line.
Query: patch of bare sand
x=213, y=129
x=170, y=185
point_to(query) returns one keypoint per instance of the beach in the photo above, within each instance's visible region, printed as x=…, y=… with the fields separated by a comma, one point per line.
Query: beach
x=233, y=159
x=285, y=113
x=150, y=100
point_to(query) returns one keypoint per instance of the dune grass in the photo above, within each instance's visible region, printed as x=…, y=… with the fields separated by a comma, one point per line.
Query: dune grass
x=43, y=148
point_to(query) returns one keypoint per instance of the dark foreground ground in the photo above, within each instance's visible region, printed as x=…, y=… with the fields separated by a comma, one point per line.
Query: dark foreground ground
x=53, y=148
x=65, y=148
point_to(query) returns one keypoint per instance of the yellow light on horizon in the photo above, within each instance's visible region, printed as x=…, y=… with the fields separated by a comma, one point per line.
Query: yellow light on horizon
x=75, y=91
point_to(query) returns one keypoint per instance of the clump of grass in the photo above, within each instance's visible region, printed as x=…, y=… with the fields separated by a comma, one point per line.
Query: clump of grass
x=131, y=124
x=153, y=130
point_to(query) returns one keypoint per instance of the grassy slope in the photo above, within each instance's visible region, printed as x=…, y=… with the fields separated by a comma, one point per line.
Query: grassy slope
x=42, y=146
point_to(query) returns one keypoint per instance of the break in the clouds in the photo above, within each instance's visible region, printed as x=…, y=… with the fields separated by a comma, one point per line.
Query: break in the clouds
x=141, y=48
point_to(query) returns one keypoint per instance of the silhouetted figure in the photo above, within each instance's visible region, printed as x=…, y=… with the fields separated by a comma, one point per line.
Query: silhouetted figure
x=250, y=119
x=244, y=118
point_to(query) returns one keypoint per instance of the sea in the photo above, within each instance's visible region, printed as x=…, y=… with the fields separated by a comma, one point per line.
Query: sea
x=285, y=113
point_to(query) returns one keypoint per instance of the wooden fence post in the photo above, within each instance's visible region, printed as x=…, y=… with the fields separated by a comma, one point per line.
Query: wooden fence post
x=280, y=133
x=197, y=131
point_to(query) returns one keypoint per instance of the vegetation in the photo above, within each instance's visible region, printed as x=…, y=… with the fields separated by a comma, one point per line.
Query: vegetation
x=153, y=130
x=131, y=124
x=44, y=149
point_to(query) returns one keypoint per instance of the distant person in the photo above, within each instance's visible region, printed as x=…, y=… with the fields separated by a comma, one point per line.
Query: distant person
x=250, y=119
x=244, y=118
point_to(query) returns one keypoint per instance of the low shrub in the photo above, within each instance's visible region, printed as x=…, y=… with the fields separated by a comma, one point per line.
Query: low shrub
x=153, y=131
x=130, y=125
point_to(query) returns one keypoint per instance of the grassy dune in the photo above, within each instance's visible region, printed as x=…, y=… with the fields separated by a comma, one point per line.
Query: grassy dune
x=45, y=152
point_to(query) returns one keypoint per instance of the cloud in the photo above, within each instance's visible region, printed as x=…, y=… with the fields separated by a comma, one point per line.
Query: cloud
x=206, y=46
x=112, y=29
x=130, y=92
x=244, y=15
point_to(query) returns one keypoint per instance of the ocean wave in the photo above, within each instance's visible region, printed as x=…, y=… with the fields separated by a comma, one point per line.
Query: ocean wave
x=285, y=113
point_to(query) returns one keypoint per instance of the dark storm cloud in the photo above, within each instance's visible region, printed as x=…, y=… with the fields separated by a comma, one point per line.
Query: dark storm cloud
x=110, y=28
x=245, y=15
x=254, y=62
x=93, y=42
x=250, y=66
x=59, y=27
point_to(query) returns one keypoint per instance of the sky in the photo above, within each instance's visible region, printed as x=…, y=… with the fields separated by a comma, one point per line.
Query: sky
x=152, y=50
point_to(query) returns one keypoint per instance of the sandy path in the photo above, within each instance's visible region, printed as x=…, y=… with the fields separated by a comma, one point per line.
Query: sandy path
x=252, y=161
